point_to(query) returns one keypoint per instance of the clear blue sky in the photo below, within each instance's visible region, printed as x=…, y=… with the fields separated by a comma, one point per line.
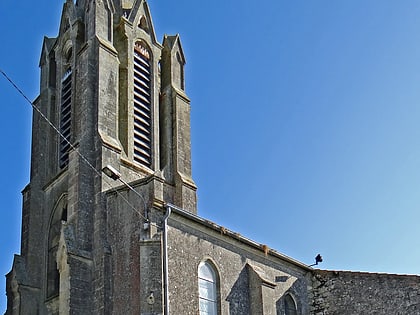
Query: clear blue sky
x=305, y=122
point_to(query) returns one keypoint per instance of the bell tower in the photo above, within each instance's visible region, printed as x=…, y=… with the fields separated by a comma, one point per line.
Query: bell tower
x=110, y=95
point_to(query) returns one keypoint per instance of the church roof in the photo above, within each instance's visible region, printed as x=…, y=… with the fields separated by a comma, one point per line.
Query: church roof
x=238, y=237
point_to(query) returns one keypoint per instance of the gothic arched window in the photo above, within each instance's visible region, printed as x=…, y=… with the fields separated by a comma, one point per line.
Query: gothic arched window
x=53, y=275
x=65, y=118
x=181, y=71
x=142, y=108
x=289, y=305
x=207, y=289
x=65, y=106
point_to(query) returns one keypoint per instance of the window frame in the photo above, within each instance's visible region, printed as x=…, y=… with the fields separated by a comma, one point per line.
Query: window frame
x=290, y=309
x=58, y=216
x=210, y=280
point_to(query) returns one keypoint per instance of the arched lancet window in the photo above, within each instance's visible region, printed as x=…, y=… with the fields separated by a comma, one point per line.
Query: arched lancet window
x=65, y=118
x=289, y=305
x=52, y=72
x=181, y=71
x=208, y=289
x=142, y=108
x=65, y=110
x=53, y=275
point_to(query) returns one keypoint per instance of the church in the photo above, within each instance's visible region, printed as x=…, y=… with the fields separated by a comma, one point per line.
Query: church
x=110, y=223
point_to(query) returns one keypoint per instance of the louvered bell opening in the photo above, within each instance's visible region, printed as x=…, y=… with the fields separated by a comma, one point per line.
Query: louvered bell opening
x=142, y=137
x=65, y=120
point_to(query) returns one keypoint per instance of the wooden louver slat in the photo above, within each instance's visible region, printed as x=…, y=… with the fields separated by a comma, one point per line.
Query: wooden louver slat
x=65, y=119
x=142, y=141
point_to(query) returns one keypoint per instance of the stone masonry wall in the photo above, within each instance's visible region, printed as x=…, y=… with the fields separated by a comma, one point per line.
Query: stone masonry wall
x=344, y=292
x=251, y=282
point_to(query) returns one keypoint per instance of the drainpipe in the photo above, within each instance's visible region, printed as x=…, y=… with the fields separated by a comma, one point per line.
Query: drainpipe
x=165, y=260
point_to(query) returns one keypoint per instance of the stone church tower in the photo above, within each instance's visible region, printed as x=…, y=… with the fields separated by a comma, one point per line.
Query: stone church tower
x=114, y=96
x=109, y=219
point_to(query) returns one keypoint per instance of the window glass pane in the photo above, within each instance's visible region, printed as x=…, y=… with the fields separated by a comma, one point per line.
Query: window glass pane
x=203, y=306
x=205, y=272
x=289, y=305
x=207, y=307
x=207, y=290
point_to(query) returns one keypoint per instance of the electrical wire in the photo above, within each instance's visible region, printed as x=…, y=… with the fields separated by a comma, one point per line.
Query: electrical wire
x=69, y=143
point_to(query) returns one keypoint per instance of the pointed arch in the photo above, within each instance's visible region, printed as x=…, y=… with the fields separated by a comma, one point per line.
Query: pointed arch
x=58, y=215
x=290, y=306
x=181, y=64
x=139, y=11
x=109, y=15
x=208, y=288
x=174, y=58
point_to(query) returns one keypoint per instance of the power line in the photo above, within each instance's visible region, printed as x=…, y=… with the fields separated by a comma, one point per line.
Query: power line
x=68, y=142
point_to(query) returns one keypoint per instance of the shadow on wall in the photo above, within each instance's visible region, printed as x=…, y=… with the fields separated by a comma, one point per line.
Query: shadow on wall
x=238, y=297
x=242, y=295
